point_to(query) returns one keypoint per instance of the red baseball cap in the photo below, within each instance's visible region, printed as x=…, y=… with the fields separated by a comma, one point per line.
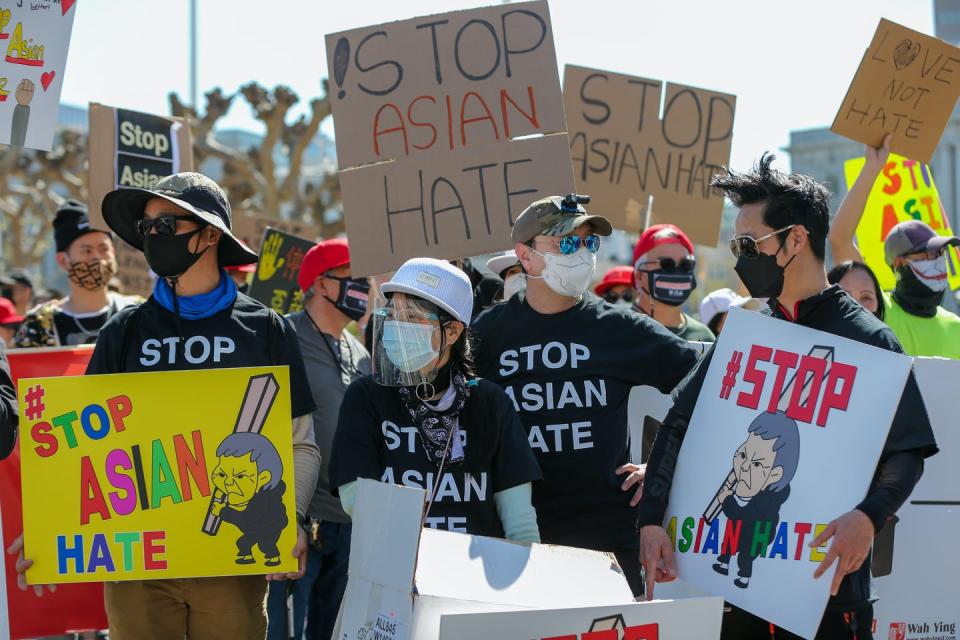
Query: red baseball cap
x=326, y=255
x=243, y=268
x=614, y=277
x=658, y=234
x=8, y=313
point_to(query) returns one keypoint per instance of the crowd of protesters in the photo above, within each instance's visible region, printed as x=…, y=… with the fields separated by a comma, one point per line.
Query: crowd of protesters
x=461, y=355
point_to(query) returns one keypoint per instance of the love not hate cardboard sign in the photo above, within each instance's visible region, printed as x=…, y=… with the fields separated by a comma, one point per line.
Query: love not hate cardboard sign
x=447, y=127
x=785, y=437
x=906, y=85
x=624, y=151
x=34, y=38
x=157, y=475
x=904, y=190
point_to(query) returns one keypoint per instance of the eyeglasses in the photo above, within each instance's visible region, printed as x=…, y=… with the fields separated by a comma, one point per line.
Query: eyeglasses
x=571, y=244
x=164, y=225
x=749, y=247
x=629, y=295
x=685, y=265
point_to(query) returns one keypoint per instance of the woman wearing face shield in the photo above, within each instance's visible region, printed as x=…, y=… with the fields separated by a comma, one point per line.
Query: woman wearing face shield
x=423, y=418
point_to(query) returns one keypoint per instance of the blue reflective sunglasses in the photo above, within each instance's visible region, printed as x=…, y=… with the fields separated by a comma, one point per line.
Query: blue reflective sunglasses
x=571, y=244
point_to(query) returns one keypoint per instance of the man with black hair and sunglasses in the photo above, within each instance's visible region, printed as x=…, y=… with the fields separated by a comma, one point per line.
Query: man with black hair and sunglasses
x=780, y=242
x=333, y=299
x=664, y=266
x=195, y=320
x=568, y=361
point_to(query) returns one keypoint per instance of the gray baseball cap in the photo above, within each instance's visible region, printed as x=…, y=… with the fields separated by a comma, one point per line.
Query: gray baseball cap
x=914, y=236
x=557, y=216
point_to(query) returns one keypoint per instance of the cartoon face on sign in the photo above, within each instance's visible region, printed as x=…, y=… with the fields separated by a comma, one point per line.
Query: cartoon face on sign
x=756, y=488
x=248, y=474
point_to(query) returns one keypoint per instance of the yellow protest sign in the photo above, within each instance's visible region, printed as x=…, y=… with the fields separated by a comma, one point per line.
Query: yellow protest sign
x=158, y=475
x=904, y=190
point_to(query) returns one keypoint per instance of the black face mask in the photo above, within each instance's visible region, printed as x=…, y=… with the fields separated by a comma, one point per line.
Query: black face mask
x=762, y=276
x=353, y=298
x=672, y=288
x=170, y=256
x=915, y=297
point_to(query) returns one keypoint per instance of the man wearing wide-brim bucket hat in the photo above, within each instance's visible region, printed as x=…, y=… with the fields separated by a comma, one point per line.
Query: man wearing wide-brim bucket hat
x=196, y=319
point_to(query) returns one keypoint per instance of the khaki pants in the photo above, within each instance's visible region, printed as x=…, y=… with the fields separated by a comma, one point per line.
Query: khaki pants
x=196, y=608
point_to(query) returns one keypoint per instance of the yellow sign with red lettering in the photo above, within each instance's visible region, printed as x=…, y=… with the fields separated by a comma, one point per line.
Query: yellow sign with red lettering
x=158, y=475
x=904, y=190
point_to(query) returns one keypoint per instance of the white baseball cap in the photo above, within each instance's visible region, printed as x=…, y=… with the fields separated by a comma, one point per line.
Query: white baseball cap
x=436, y=281
x=498, y=264
x=719, y=301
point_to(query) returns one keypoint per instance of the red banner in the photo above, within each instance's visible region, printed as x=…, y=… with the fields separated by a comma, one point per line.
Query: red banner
x=74, y=607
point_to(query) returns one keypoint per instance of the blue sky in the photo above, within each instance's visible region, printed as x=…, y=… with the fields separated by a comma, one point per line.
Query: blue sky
x=788, y=62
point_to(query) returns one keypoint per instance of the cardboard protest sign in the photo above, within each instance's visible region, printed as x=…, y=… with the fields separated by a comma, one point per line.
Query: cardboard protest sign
x=122, y=483
x=906, y=85
x=785, y=437
x=624, y=153
x=71, y=607
x=275, y=282
x=916, y=580
x=129, y=149
x=429, y=113
x=903, y=191
x=405, y=590
x=34, y=38
x=694, y=618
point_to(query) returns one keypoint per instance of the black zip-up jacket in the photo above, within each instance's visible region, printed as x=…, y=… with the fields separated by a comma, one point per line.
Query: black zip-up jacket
x=908, y=443
x=8, y=407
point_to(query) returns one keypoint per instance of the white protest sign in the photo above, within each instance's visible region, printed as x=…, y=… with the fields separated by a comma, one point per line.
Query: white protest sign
x=785, y=437
x=662, y=620
x=916, y=574
x=34, y=38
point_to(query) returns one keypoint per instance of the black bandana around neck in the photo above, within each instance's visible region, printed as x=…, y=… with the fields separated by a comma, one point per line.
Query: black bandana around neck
x=436, y=427
x=915, y=297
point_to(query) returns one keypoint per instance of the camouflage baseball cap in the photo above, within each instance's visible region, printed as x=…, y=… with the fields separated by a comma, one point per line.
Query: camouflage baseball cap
x=557, y=216
x=194, y=192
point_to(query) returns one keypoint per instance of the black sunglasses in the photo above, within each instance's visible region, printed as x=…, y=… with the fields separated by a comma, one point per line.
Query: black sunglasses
x=164, y=225
x=686, y=265
x=629, y=295
x=749, y=247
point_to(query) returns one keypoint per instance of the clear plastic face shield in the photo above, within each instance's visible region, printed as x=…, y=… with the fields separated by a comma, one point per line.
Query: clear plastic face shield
x=407, y=341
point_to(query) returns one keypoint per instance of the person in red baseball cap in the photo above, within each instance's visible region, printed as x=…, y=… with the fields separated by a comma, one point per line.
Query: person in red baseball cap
x=240, y=274
x=9, y=322
x=664, y=272
x=617, y=287
x=333, y=298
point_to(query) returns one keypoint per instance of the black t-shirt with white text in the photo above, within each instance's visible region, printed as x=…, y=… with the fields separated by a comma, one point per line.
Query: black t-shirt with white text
x=376, y=438
x=147, y=337
x=569, y=375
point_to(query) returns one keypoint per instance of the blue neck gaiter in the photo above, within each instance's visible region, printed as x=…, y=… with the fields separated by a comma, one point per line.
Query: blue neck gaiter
x=199, y=306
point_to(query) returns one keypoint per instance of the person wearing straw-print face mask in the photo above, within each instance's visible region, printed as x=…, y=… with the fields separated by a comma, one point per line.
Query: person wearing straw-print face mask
x=424, y=419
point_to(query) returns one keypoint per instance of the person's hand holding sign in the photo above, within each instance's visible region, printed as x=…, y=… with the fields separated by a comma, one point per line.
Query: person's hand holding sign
x=656, y=556
x=21, y=567
x=299, y=552
x=852, y=535
x=270, y=260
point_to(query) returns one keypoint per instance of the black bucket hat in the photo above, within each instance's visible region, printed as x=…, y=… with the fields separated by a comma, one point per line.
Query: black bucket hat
x=194, y=192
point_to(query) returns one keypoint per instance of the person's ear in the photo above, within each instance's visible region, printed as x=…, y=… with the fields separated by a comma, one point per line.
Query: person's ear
x=263, y=478
x=775, y=475
x=525, y=254
x=454, y=330
x=63, y=261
